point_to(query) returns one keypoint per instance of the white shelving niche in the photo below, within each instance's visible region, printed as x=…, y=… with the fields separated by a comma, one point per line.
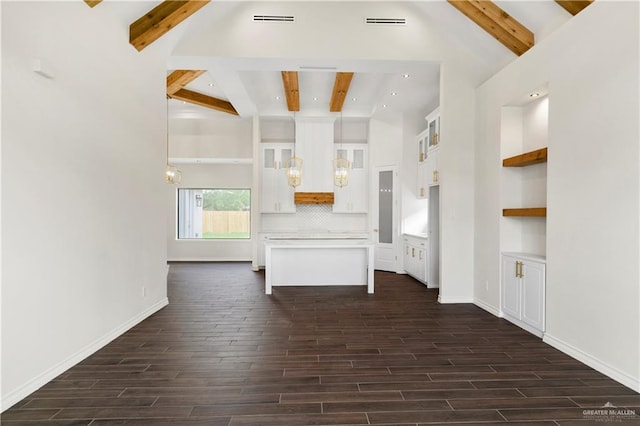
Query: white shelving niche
x=524, y=130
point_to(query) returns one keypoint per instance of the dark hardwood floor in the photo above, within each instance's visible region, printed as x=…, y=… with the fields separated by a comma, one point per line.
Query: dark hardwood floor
x=224, y=353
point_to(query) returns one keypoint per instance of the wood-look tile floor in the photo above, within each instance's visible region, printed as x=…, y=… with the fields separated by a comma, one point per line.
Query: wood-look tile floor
x=224, y=353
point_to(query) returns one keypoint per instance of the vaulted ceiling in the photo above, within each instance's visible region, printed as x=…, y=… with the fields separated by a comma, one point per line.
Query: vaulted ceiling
x=494, y=33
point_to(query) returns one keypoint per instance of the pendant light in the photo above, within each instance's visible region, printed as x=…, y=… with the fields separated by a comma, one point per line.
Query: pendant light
x=293, y=165
x=172, y=174
x=341, y=165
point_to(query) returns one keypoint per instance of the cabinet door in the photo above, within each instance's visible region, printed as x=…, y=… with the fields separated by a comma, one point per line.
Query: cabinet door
x=432, y=171
x=353, y=198
x=533, y=281
x=434, y=131
x=511, y=291
x=422, y=188
x=423, y=142
x=422, y=264
x=276, y=196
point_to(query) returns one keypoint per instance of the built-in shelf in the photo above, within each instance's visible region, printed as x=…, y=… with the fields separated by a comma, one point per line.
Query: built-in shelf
x=527, y=159
x=526, y=212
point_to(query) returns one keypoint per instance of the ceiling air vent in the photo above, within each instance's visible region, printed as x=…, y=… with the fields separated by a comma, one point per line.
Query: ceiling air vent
x=386, y=21
x=272, y=18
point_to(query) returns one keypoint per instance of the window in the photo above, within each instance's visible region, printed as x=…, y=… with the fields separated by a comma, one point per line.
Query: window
x=214, y=213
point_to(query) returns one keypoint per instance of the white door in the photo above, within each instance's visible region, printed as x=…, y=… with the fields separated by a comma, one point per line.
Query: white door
x=385, y=229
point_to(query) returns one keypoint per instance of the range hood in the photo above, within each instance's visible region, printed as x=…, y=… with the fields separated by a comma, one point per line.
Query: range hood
x=314, y=144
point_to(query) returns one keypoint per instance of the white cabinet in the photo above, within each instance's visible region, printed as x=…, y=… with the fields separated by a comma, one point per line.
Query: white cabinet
x=423, y=145
x=353, y=198
x=433, y=128
x=432, y=167
x=523, y=291
x=276, y=196
x=415, y=257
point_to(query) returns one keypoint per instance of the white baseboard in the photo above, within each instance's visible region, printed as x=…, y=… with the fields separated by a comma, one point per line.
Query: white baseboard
x=208, y=259
x=487, y=307
x=606, y=369
x=445, y=300
x=44, y=378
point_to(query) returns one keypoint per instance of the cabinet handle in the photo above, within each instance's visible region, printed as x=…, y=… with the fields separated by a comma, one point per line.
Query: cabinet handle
x=422, y=192
x=435, y=139
x=421, y=157
x=519, y=272
x=413, y=252
x=435, y=176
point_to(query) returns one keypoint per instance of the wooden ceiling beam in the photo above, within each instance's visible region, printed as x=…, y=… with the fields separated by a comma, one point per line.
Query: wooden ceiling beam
x=340, y=89
x=204, y=100
x=180, y=78
x=92, y=3
x=291, y=89
x=491, y=18
x=574, y=7
x=159, y=20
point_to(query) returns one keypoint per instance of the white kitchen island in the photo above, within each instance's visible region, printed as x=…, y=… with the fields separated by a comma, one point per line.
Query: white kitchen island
x=322, y=262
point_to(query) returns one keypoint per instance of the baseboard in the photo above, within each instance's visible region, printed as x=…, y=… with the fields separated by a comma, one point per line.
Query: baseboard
x=631, y=382
x=208, y=259
x=487, y=307
x=445, y=300
x=44, y=378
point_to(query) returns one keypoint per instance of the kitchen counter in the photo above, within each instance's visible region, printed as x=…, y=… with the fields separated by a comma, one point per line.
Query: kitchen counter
x=318, y=262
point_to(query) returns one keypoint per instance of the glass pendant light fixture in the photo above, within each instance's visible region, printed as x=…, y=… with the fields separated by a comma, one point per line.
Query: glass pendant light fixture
x=293, y=165
x=341, y=164
x=172, y=174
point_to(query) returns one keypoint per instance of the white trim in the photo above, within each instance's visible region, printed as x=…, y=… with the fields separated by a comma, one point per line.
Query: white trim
x=487, y=307
x=44, y=378
x=454, y=300
x=595, y=363
x=208, y=259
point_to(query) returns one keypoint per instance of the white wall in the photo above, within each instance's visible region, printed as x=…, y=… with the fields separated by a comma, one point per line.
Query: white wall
x=591, y=65
x=84, y=251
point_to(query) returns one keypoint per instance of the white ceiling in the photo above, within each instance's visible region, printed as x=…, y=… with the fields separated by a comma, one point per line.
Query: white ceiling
x=253, y=84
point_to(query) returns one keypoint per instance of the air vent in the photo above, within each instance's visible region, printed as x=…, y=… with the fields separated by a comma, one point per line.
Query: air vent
x=386, y=21
x=273, y=18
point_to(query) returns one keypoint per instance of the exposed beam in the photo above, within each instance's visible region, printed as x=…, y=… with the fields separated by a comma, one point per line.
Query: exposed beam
x=92, y=3
x=159, y=20
x=515, y=36
x=574, y=7
x=180, y=78
x=340, y=89
x=291, y=89
x=204, y=100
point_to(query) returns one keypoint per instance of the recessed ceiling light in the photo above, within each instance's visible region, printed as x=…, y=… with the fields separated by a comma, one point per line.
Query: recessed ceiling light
x=277, y=98
x=394, y=93
x=534, y=95
x=384, y=105
x=354, y=99
x=184, y=102
x=405, y=75
x=315, y=98
x=210, y=84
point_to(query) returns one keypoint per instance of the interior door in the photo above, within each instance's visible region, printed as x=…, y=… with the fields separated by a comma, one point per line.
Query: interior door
x=385, y=229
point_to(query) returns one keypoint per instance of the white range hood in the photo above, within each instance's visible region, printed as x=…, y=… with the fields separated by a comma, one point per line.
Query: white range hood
x=314, y=145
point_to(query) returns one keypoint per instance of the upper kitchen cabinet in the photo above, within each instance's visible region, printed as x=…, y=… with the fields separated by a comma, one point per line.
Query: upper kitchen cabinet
x=353, y=198
x=276, y=196
x=433, y=129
